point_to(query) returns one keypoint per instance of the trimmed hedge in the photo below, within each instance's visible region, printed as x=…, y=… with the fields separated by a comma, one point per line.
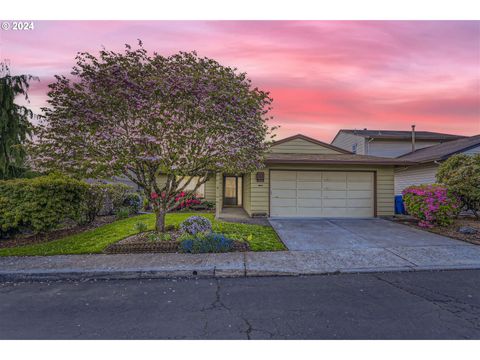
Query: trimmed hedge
x=46, y=203
x=40, y=204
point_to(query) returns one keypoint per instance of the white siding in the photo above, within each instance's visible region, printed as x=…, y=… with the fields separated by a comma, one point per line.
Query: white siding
x=349, y=141
x=394, y=148
x=414, y=175
x=473, y=151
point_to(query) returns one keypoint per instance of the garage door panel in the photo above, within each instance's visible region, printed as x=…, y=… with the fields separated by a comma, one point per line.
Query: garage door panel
x=359, y=203
x=359, y=185
x=309, y=176
x=334, y=194
x=284, y=202
x=309, y=185
x=286, y=185
x=334, y=176
x=284, y=193
x=309, y=194
x=309, y=203
x=337, y=203
x=285, y=175
x=334, y=212
x=360, y=176
x=284, y=211
x=360, y=194
x=334, y=186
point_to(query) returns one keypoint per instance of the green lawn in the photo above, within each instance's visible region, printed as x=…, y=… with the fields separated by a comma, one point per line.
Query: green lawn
x=260, y=238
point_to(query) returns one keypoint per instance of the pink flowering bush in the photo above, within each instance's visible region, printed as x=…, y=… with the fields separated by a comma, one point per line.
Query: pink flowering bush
x=431, y=204
x=182, y=200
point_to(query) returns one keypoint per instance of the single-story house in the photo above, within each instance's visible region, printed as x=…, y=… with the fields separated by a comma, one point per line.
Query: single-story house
x=388, y=143
x=305, y=177
x=428, y=159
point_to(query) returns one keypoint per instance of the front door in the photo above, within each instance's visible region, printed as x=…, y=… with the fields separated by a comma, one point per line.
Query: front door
x=233, y=190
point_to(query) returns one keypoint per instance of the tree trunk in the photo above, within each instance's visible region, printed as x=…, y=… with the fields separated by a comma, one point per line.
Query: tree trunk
x=160, y=220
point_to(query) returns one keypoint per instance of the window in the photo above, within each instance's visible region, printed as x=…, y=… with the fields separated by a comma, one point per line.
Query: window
x=200, y=191
x=354, y=148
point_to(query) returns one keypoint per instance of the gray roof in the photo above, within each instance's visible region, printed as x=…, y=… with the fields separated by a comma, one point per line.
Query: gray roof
x=280, y=158
x=442, y=151
x=402, y=135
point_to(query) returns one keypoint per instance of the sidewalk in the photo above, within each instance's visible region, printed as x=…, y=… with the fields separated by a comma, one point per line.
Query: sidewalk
x=133, y=266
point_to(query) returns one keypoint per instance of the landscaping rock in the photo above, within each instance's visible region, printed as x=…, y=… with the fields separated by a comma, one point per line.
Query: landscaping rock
x=467, y=230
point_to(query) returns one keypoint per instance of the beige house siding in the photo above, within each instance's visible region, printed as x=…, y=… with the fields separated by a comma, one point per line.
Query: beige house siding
x=247, y=194
x=210, y=189
x=384, y=185
x=260, y=193
x=300, y=146
x=349, y=142
x=414, y=175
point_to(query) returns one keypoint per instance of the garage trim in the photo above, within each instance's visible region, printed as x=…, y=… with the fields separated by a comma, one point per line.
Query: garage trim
x=328, y=170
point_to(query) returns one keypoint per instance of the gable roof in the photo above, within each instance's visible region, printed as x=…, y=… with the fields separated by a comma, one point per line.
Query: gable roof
x=442, y=151
x=312, y=140
x=400, y=135
x=277, y=158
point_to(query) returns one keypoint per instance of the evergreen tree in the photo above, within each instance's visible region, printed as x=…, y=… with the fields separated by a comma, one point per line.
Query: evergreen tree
x=15, y=126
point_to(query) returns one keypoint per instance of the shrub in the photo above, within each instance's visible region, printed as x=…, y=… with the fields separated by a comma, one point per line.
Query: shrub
x=97, y=200
x=431, y=204
x=106, y=199
x=206, y=243
x=41, y=204
x=196, y=224
x=133, y=201
x=140, y=226
x=186, y=202
x=461, y=173
x=154, y=237
x=204, y=205
x=122, y=213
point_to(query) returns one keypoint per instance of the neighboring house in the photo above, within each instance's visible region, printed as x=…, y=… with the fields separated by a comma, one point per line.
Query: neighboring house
x=387, y=143
x=428, y=160
x=304, y=177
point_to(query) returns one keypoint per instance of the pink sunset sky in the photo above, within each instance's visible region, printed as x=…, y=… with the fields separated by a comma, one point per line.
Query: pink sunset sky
x=322, y=75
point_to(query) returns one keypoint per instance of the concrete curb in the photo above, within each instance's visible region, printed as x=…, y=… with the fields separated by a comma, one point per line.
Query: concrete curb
x=129, y=274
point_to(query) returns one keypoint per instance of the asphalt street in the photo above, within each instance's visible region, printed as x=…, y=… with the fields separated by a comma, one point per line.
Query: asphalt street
x=408, y=305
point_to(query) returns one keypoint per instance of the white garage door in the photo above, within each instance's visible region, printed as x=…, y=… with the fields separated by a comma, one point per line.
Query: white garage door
x=321, y=194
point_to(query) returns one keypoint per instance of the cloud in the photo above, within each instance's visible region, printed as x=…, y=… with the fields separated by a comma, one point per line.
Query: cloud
x=323, y=75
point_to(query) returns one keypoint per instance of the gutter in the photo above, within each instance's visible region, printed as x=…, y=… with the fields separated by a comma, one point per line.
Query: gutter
x=336, y=162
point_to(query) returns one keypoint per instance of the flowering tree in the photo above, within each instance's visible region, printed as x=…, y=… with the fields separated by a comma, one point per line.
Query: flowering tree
x=151, y=117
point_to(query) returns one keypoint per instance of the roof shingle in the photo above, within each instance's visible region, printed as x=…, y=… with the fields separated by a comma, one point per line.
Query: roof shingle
x=442, y=151
x=402, y=135
x=276, y=158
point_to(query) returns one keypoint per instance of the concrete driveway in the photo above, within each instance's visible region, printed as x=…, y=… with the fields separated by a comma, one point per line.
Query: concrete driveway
x=334, y=234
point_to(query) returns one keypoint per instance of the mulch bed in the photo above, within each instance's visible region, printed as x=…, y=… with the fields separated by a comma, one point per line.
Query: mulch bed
x=450, y=231
x=140, y=243
x=22, y=240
